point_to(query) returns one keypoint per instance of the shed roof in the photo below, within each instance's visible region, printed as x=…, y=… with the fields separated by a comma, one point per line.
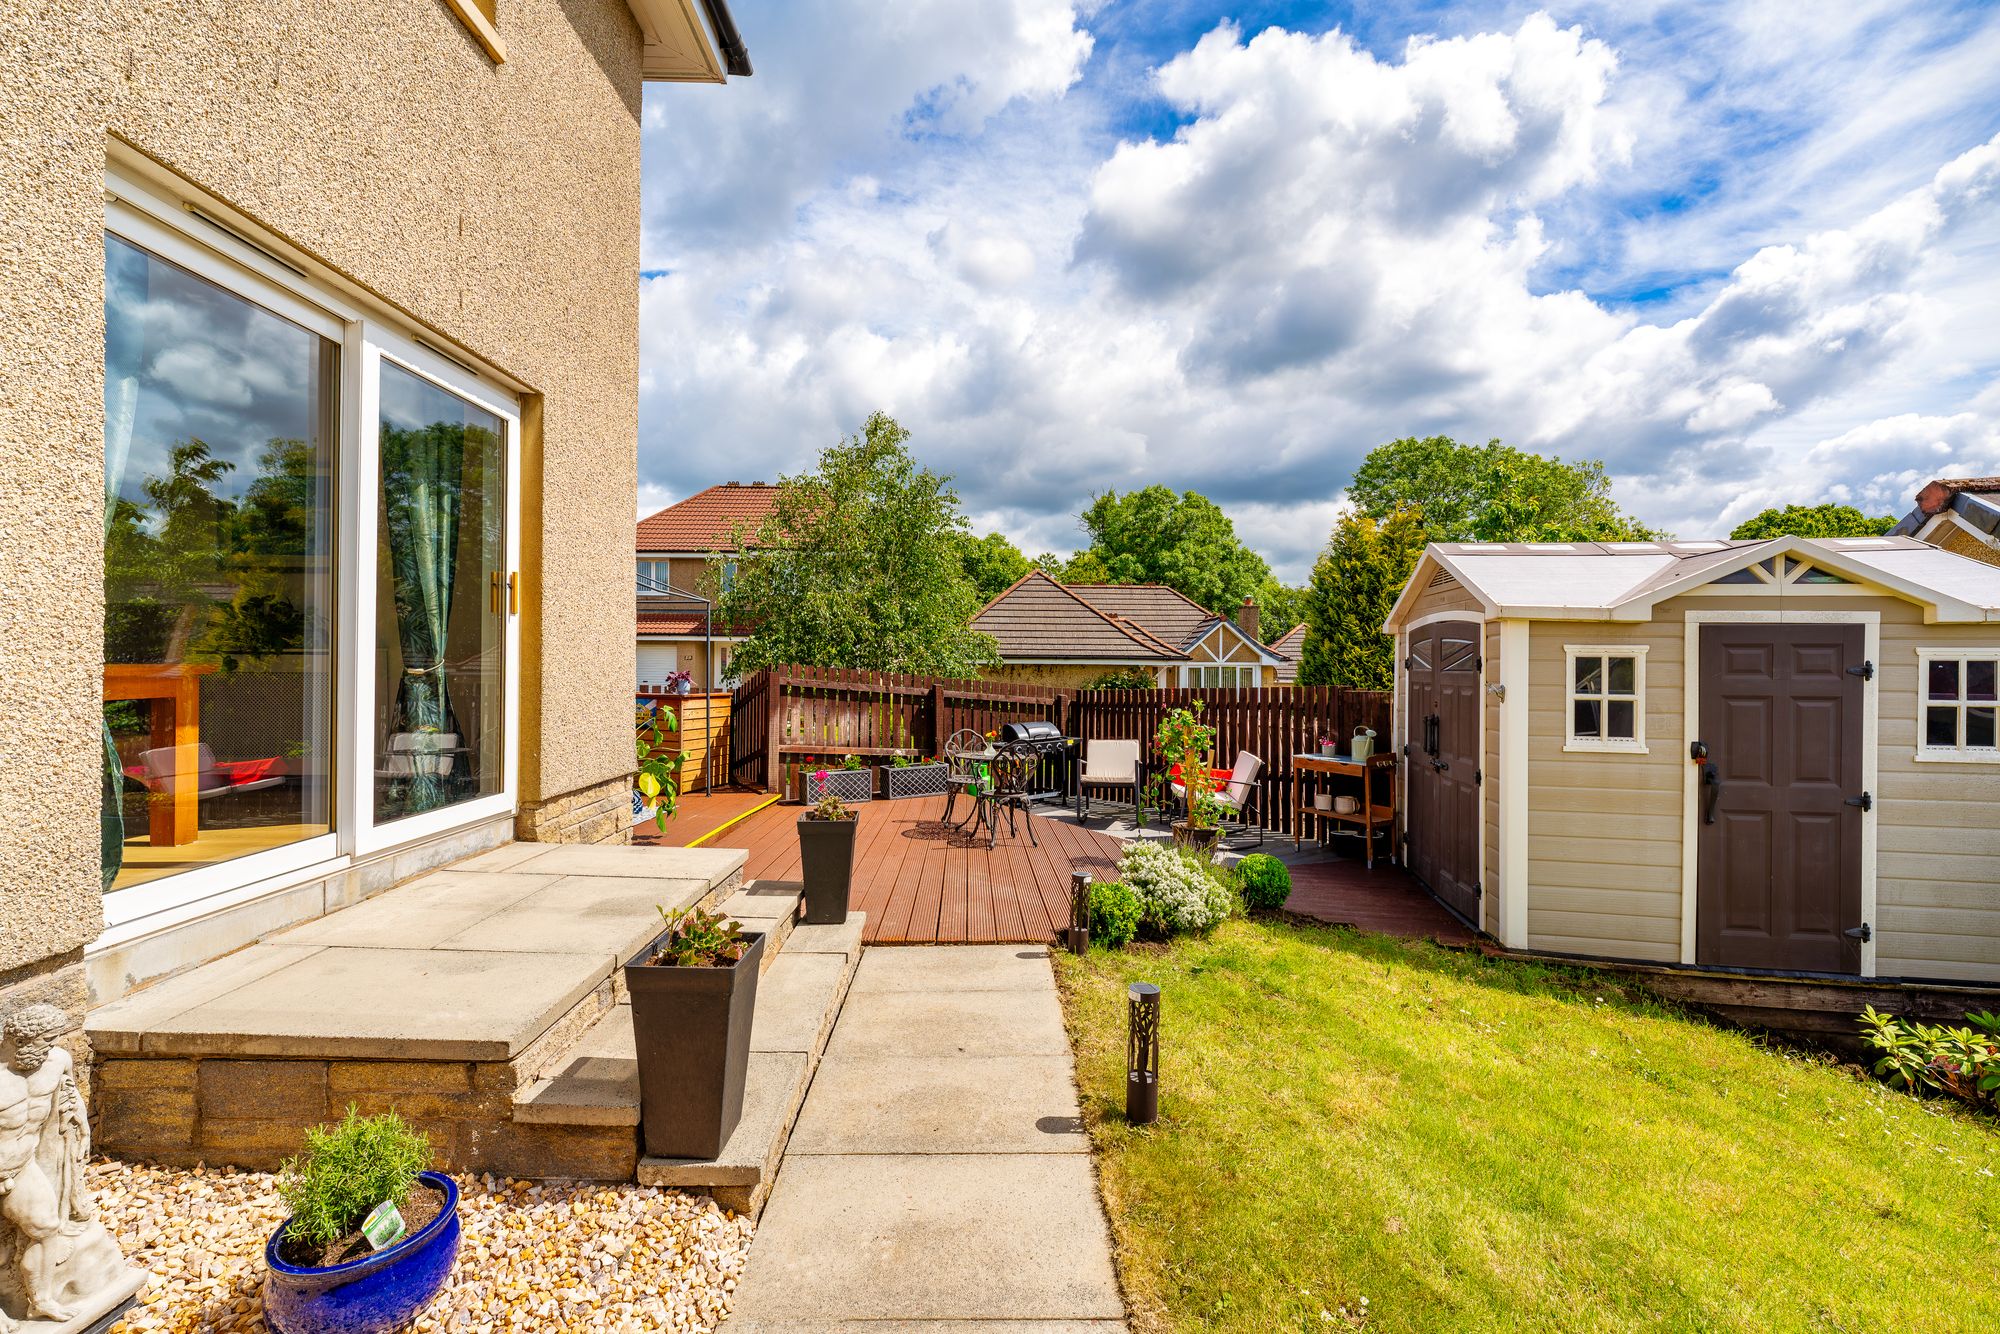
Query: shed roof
x=1623, y=581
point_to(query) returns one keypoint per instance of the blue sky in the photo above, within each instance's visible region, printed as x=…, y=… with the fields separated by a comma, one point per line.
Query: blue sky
x=1744, y=253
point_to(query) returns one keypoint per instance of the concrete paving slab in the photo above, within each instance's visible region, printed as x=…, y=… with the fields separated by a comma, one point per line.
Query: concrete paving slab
x=737, y=1325
x=503, y=858
x=911, y=1025
x=931, y=1237
x=773, y=1086
x=841, y=938
x=958, y=1104
x=581, y=914
x=761, y=900
x=596, y=1083
x=654, y=863
x=795, y=1002
x=387, y=1004
x=928, y=968
x=418, y=915
x=120, y=1026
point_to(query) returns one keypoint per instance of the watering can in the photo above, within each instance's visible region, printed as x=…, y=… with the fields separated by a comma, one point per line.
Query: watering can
x=1364, y=742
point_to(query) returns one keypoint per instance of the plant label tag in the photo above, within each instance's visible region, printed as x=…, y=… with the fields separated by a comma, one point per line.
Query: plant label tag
x=383, y=1226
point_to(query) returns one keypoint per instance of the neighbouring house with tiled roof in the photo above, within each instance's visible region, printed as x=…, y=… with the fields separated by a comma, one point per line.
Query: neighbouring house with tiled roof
x=1290, y=646
x=1051, y=633
x=686, y=553
x=1960, y=514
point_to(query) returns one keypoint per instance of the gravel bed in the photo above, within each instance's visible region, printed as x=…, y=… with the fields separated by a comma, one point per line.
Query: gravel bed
x=535, y=1255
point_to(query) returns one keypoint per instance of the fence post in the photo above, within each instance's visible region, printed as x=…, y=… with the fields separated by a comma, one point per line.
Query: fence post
x=937, y=717
x=773, y=693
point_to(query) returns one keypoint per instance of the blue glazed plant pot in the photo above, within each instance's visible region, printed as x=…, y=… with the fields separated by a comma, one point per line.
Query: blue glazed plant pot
x=372, y=1295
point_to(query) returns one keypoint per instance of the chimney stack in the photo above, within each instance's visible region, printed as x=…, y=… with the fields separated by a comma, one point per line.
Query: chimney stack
x=1246, y=620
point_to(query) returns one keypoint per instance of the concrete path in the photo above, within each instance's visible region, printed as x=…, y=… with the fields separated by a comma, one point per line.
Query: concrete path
x=939, y=1178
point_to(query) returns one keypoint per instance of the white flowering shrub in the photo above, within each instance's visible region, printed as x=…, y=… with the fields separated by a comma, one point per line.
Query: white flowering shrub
x=1177, y=892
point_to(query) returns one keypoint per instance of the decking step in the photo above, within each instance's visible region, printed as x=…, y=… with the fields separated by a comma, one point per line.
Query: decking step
x=799, y=996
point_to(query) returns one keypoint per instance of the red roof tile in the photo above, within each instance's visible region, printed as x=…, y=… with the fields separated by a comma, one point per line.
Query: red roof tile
x=706, y=520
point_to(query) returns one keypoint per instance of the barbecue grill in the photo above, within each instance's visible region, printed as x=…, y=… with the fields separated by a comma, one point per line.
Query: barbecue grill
x=1040, y=729
x=1044, y=740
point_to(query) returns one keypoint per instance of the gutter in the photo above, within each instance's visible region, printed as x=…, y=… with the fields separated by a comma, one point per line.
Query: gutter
x=735, y=55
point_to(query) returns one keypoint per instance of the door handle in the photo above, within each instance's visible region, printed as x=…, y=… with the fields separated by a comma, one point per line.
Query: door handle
x=514, y=593
x=1711, y=779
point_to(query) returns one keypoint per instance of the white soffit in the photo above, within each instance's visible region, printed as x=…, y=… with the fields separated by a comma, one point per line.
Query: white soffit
x=677, y=46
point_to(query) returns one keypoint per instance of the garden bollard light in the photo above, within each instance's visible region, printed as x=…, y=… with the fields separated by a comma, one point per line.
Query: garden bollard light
x=1077, y=934
x=1142, y=1055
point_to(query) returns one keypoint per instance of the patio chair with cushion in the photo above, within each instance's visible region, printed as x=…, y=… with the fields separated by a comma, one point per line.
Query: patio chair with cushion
x=1236, y=798
x=212, y=778
x=1110, y=764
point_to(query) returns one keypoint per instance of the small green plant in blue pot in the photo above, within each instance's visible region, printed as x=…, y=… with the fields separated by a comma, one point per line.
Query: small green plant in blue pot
x=373, y=1234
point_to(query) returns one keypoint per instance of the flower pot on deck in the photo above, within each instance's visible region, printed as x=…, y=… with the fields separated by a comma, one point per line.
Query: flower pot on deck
x=852, y=786
x=826, y=864
x=1195, y=840
x=376, y=1293
x=915, y=780
x=691, y=1028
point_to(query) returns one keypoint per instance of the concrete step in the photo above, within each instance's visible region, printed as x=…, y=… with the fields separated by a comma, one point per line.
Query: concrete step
x=799, y=996
x=442, y=997
x=770, y=906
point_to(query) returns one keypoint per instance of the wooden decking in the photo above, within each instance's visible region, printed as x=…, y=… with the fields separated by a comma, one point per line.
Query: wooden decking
x=1345, y=892
x=918, y=880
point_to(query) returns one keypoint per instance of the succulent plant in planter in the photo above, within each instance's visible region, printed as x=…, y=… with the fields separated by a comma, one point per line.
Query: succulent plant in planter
x=826, y=859
x=373, y=1234
x=694, y=991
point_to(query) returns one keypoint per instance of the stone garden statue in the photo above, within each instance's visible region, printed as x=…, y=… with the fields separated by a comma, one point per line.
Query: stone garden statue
x=59, y=1268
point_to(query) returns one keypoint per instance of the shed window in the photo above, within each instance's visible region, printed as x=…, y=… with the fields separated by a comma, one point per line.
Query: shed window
x=1606, y=705
x=1960, y=704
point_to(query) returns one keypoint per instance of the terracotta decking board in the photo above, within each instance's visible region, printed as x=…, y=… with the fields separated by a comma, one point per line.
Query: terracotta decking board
x=1385, y=899
x=916, y=880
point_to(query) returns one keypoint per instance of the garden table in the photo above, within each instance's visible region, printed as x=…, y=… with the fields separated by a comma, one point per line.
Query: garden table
x=172, y=690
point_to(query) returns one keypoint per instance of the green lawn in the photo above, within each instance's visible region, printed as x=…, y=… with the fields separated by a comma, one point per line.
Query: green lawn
x=1473, y=1145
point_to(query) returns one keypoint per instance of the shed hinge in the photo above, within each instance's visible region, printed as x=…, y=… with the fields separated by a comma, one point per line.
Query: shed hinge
x=1478, y=777
x=1478, y=890
x=1479, y=663
x=1866, y=801
x=1862, y=933
x=1866, y=671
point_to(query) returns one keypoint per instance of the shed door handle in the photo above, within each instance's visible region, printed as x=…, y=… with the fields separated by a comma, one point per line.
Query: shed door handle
x=1711, y=778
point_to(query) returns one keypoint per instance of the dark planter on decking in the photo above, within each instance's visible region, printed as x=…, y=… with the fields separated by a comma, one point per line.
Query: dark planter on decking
x=826, y=863
x=691, y=1027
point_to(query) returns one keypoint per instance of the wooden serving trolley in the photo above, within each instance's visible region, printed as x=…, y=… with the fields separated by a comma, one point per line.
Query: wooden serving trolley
x=1375, y=810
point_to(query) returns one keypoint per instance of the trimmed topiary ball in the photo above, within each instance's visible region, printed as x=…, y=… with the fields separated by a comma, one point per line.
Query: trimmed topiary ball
x=1114, y=914
x=1265, y=881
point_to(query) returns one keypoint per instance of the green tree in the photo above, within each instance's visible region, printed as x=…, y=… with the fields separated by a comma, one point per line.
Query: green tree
x=1279, y=609
x=1354, y=584
x=858, y=566
x=1085, y=567
x=1812, y=521
x=1491, y=493
x=1185, y=541
x=991, y=563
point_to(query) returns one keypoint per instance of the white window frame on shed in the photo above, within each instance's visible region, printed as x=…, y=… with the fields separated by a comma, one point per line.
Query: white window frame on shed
x=1604, y=697
x=1958, y=753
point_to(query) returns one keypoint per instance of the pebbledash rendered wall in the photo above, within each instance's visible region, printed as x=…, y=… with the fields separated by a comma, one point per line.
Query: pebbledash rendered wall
x=496, y=203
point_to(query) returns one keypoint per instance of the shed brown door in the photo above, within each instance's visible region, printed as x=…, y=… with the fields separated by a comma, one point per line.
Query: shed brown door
x=1442, y=760
x=1779, y=878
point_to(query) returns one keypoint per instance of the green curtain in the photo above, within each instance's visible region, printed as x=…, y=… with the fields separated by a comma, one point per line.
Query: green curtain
x=422, y=479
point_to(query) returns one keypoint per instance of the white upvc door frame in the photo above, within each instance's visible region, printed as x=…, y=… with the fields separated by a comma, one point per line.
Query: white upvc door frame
x=1395, y=739
x=142, y=212
x=381, y=344
x=1871, y=638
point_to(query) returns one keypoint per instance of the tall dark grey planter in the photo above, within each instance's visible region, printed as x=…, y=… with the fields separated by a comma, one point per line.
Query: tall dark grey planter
x=691, y=1027
x=826, y=860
